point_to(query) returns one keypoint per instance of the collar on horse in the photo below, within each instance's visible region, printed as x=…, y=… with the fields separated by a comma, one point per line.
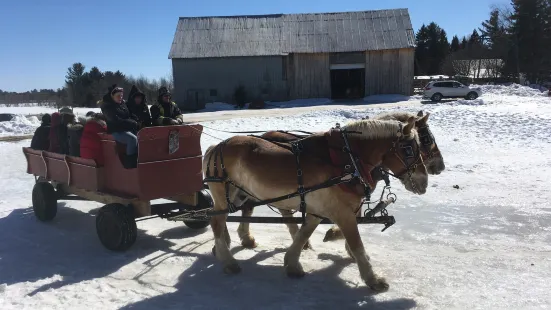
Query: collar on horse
x=344, y=160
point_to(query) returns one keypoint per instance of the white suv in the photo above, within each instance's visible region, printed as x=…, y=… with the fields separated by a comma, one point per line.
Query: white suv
x=436, y=90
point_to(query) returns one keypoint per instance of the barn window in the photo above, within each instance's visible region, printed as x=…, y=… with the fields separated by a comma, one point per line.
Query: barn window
x=213, y=92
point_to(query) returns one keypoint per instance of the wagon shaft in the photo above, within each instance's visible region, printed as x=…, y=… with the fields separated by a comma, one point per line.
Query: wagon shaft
x=205, y=214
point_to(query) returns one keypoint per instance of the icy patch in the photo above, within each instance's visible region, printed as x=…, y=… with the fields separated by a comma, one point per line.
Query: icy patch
x=20, y=125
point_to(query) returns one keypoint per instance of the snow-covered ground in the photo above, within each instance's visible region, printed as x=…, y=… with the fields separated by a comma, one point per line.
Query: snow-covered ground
x=485, y=245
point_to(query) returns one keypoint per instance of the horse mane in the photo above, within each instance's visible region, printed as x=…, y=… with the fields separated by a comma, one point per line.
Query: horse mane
x=379, y=129
x=397, y=115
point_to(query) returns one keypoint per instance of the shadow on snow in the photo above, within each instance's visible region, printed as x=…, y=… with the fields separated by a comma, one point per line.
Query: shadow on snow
x=68, y=246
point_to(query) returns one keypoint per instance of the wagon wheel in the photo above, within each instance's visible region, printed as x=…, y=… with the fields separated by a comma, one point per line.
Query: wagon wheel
x=116, y=227
x=204, y=201
x=44, y=201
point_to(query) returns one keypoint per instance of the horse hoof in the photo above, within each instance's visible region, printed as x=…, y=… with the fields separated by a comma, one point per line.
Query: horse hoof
x=249, y=243
x=333, y=235
x=295, y=272
x=232, y=268
x=380, y=285
x=307, y=246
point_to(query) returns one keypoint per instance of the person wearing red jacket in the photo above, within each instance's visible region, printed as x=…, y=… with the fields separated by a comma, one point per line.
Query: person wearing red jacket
x=90, y=142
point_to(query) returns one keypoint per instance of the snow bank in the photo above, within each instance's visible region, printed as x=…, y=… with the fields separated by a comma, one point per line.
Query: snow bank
x=20, y=125
x=217, y=106
x=510, y=90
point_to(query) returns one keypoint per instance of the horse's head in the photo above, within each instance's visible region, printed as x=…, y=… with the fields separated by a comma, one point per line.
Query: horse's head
x=405, y=161
x=429, y=149
x=395, y=146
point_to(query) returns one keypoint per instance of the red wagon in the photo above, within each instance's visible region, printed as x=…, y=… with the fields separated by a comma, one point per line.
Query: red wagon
x=169, y=167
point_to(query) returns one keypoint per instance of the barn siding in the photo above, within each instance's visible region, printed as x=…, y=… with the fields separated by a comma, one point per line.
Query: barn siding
x=389, y=72
x=310, y=77
x=224, y=75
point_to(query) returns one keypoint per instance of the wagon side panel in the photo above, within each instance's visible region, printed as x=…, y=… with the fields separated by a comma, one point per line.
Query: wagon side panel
x=169, y=161
x=116, y=179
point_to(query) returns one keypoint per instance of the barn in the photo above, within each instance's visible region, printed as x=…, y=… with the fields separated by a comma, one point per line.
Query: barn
x=279, y=57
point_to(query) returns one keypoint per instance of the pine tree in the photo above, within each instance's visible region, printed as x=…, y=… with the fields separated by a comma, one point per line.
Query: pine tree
x=463, y=43
x=474, y=39
x=455, y=46
x=421, y=51
x=530, y=22
x=492, y=33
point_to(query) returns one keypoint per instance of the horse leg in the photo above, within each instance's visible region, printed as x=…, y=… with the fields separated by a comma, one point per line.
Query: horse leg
x=247, y=240
x=334, y=233
x=219, y=227
x=349, y=227
x=293, y=228
x=291, y=260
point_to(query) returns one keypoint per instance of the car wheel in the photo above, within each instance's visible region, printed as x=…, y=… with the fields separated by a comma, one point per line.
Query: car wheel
x=471, y=96
x=436, y=97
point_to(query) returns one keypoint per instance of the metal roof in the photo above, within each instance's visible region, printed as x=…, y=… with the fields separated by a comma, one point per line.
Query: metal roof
x=280, y=34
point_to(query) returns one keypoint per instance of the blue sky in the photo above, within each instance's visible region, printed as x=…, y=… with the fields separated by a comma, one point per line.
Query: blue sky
x=41, y=39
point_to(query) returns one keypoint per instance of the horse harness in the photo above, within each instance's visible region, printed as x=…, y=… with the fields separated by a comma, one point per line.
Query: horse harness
x=343, y=154
x=427, y=141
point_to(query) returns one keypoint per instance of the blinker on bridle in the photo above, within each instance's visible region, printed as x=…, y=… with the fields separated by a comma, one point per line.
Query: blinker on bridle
x=427, y=140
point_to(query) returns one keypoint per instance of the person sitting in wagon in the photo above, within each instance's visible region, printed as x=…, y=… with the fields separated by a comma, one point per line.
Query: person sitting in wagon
x=41, y=139
x=164, y=111
x=54, y=133
x=121, y=124
x=90, y=141
x=137, y=104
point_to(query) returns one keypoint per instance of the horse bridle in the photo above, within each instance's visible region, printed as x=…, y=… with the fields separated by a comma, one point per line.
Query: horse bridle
x=427, y=141
x=411, y=158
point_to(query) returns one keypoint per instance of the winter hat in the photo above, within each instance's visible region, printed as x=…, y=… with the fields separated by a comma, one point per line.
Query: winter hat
x=46, y=119
x=163, y=91
x=113, y=89
x=90, y=113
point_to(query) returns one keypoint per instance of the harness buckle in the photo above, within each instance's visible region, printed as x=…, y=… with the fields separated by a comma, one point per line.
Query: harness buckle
x=299, y=172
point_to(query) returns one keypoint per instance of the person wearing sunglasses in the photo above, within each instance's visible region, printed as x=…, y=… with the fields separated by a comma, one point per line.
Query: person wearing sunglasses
x=121, y=124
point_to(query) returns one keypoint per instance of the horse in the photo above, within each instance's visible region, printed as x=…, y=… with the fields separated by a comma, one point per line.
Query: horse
x=263, y=169
x=432, y=158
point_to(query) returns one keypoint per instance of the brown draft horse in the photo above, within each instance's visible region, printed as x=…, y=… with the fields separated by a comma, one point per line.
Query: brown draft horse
x=432, y=158
x=265, y=170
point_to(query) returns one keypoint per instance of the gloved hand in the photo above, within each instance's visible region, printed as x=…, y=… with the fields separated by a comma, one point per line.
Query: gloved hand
x=173, y=122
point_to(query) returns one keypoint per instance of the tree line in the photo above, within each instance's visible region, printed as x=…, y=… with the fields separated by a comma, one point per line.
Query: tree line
x=85, y=88
x=515, y=40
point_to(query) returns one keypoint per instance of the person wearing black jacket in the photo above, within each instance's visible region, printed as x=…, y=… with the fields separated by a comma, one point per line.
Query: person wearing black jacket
x=41, y=137
x=137, y=104
x=121, y=123
x=164, y=111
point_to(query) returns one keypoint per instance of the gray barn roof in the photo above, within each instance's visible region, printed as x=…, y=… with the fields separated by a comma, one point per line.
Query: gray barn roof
x=268, y=35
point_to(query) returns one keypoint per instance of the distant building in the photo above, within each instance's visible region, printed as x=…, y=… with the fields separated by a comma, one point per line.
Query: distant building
x=292, y=56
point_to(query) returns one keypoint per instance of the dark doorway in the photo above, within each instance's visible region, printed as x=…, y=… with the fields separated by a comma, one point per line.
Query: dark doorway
x=347, y=83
